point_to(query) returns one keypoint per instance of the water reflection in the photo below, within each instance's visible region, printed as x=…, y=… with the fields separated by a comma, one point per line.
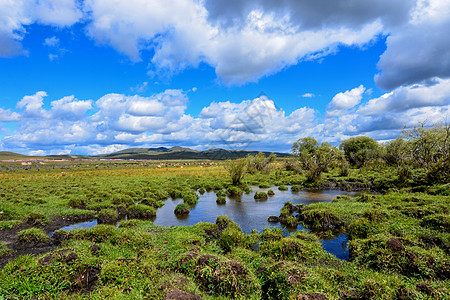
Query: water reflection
x=247, y=212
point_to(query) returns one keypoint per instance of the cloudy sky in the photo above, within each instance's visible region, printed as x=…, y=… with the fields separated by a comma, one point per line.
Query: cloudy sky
x=96, y=76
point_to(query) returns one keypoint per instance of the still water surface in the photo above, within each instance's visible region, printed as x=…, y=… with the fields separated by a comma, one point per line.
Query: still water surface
x=247, y=212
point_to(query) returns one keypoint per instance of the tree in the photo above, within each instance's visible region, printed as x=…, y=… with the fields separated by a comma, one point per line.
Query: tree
x=360, y=150
x=313, y=159
x=430, y=150
x=237, y=169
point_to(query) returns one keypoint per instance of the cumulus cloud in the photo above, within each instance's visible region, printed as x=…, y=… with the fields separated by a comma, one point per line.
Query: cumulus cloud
x=409, y=97
x=16, y=15
x=345, y=100
x=6, y=115
x=418, y=50
x=247, y=40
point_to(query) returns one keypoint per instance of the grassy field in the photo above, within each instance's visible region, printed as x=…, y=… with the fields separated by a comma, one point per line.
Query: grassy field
x=399, y=239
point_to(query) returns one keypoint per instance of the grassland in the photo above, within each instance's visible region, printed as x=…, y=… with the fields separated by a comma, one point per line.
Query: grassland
x=399, y=238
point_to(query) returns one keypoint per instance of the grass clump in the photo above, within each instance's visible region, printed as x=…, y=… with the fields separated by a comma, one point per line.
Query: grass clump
x=260, y=196
x=190, y=197
x=270, y=193
x=234, y=191
x=295, y=188
x=283, y=188
x=32, y=236
x=264, y=185
x=141, y=211
x=4, y=250
x=221, y=200
x=182, y=209
x=107, y=215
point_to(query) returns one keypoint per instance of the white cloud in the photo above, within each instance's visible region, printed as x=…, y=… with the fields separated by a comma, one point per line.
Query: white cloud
x=308, y=95
x=345, y=100
x=70, y=108
x=51, y=41
x=117, y=121
x=404, y=98
x=418, y=50
x=6, y=115
x=15, y=15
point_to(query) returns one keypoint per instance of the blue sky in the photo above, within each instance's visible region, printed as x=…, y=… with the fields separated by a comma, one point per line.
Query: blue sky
x=91, y=77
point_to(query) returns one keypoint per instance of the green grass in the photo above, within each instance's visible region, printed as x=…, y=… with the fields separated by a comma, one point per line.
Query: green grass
x=399, y=241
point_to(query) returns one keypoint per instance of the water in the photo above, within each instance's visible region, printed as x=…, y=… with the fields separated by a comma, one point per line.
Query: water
x=245, y=211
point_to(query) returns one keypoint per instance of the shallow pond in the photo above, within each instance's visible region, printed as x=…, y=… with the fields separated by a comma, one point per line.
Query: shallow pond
x=247, y=212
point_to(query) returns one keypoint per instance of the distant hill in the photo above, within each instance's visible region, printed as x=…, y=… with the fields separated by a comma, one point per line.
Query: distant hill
x=177, y=152
x=161, y=153
x=6, y=155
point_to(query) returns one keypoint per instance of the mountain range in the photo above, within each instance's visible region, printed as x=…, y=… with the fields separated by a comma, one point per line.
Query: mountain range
x=160, y=153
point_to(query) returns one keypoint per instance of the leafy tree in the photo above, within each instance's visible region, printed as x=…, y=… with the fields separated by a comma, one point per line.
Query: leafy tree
x=360, y=150
x=429, y=149
x=237, y=169
x=258, y=163
x=313, y=159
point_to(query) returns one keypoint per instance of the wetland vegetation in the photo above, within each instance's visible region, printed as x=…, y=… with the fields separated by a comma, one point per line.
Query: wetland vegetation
x=398, y=228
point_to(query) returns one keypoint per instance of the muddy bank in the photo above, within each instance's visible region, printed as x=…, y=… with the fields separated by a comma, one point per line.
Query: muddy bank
x=10, y=239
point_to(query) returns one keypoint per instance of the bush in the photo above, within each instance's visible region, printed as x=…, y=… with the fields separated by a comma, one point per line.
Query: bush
x=221, y=200
x=295, y=188
x=182, y=209
x=237, y=169
x=260, y=196
x=283, y=188
x=190, y=197
x=234, y=191
x=231, y=237
x=33, y=235
x=291, y=222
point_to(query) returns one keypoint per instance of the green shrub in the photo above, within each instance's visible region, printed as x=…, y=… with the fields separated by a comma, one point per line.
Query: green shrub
x=264, y=185
x=234, y=191
x=33, y=235
x=273, y=234
x=260, y=196
x=295, y=188
x=221, y=200
x=283, y=188
x=231, y=237
x=291, y=222
x=201, y=190
x=190, y=197
x=270, y=193
x=182, y=209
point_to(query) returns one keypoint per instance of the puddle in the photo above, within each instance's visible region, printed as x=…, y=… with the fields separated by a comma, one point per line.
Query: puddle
x=245, y=211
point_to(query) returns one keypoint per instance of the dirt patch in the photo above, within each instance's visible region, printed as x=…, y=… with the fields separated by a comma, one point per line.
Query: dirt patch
x=395, y=244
